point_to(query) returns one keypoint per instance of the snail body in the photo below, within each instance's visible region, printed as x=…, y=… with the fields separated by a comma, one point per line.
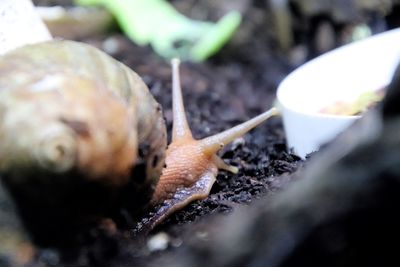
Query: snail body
x=79, y=131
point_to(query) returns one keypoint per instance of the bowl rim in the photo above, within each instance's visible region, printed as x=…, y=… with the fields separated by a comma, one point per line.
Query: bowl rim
x=281, y=99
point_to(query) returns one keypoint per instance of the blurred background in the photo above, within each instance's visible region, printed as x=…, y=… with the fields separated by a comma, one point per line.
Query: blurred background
x=247, y=54
x=301, y=29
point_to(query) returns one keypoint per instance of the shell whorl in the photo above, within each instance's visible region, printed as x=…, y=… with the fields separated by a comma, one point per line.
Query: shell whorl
x=57, y=149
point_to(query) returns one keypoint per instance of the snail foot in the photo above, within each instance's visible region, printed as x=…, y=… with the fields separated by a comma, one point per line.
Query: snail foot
x=181, y=198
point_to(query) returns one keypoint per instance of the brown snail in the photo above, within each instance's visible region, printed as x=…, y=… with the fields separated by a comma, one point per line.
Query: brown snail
x=79, y=132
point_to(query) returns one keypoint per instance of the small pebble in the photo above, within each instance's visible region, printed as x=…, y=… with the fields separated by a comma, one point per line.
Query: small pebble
x=158, y=242
x=202, y=235
x=110, y=46
x=49, y=257
x=298, y=55
x=177, y=242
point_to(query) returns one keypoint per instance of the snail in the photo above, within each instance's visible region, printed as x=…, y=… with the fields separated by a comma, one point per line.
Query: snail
x=80, y=134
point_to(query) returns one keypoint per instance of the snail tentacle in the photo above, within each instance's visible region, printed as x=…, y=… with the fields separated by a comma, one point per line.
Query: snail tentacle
x=220, y=163
x=180, y=128
x=213, y=144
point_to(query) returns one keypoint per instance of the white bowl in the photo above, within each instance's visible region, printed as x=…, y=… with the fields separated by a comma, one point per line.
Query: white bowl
x=20, y=25
x=340, y=75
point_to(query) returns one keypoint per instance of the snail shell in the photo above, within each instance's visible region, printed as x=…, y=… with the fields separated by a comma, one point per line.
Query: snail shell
x=76, y=127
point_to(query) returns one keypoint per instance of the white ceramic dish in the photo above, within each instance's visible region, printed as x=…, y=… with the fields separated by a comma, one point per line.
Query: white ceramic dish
x=20, y=25
x=340, y=75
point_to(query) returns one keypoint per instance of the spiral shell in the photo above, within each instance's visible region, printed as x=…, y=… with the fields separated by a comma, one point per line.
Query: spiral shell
x=72, y=115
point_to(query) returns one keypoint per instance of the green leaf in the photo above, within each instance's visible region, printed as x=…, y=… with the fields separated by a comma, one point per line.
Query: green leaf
x=171, y=34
